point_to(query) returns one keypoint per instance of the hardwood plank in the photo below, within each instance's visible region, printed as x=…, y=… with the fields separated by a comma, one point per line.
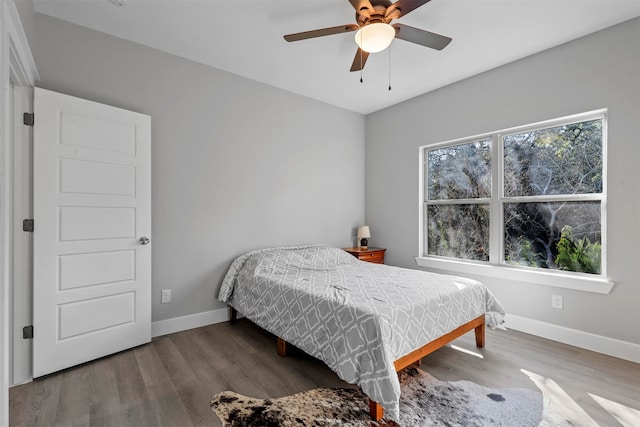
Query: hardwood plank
x=208, y=348
x=109, y=412
x=75, y=392
x=228, y=343
x=195, y=397
x=41, y=405
x=19, y=405
x=275, y=378
x=132, y=407
x=186, y=370
x=242, y=379
x=171, y=380
x=167, y=406
x=175, y=365
x=199, y=354
x=129, y=381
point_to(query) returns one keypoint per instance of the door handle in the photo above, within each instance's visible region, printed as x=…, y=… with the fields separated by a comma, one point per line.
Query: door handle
x=144, y=240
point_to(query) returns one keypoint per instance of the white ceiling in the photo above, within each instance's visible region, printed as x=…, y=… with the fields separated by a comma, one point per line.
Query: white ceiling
x=245, y=37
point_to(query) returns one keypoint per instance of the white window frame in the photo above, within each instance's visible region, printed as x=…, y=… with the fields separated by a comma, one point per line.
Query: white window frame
x=496, y=268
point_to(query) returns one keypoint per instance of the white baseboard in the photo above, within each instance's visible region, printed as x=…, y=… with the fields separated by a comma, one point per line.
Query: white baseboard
x=182, y=323
x=598, y=343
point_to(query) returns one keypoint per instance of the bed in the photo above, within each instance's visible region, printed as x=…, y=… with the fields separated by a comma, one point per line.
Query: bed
x=365, y=321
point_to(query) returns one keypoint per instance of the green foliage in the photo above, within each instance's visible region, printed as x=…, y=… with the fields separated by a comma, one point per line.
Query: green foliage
x=581, y=255
x=527, y=254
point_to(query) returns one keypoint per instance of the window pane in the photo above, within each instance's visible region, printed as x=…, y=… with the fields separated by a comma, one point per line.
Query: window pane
x=561, y=160
x=559, y=236
x=460, y=171
x=458, y=231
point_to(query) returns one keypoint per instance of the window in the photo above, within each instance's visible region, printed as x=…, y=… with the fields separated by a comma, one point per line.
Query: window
x=531, y=197
x=458, y=200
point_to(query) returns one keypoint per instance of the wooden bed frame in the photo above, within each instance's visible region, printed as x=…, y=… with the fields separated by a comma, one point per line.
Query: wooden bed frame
x=375, y=410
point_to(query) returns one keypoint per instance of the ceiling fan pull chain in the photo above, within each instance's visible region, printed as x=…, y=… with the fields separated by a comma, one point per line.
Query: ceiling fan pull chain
x=360, y=50
x=389, y=67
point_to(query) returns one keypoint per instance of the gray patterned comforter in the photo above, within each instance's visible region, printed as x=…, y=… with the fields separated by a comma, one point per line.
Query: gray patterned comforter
x=357, y=317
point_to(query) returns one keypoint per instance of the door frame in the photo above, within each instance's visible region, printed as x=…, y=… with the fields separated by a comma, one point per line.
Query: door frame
x=17, y=68
x=21, y=288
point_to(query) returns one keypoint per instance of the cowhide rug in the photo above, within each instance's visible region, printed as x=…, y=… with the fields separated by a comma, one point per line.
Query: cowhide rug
x=425, y=401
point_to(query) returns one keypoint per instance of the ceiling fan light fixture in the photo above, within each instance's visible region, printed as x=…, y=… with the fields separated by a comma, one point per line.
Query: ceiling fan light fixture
x=375, y=37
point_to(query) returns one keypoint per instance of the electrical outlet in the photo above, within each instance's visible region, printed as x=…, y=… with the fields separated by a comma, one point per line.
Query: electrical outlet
x=556, y=301
x=166, y=296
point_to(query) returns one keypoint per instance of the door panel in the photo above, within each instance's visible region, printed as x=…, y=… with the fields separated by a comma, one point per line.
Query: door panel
x=92, y=203
x=81, y=270
x=94, y=223
x=92, y=132
x=82, y=176
x=98, y=314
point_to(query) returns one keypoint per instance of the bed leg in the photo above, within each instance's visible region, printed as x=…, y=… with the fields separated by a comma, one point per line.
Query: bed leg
x=282, y=347
x=480, y=335
x=375, y=410
x=233, y=314
x=418, y=362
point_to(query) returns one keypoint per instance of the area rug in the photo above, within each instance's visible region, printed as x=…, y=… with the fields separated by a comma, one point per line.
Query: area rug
x=425, y=401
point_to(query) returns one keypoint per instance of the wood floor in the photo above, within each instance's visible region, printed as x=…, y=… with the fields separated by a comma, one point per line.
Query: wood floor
x=170, y=381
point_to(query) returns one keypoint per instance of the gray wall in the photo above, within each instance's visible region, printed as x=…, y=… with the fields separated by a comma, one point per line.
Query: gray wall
x=236, y=165
x=597, y=71
x=239, y=165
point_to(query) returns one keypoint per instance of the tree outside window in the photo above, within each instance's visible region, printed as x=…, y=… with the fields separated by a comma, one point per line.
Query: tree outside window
x=546, y=186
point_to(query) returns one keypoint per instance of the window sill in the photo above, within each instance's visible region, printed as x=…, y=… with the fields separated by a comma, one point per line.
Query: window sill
x=580, y=282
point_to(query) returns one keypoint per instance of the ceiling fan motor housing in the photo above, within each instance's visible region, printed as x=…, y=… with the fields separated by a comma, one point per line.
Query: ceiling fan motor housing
x=379, y=14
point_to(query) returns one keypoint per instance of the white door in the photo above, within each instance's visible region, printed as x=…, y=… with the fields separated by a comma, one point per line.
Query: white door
x=92, y=211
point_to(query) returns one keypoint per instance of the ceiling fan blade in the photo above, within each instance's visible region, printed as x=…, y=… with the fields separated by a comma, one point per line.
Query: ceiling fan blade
x=421, y=37
x=359, y=60
x=321, y=32
x=405, y=6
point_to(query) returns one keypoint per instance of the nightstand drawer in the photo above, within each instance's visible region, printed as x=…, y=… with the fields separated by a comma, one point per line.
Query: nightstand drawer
x=374, y=255
x=377, y=257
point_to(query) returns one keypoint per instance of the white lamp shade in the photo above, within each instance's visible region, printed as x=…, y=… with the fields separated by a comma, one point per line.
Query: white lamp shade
x=376, y=37
x=363, y=232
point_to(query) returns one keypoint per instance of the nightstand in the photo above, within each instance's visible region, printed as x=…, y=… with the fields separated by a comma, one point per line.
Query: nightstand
x=375, y=255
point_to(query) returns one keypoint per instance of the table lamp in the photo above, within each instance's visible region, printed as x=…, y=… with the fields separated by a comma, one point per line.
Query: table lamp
x=363, y=234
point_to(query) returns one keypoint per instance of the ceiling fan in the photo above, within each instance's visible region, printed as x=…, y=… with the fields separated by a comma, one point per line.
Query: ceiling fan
x=374, y=31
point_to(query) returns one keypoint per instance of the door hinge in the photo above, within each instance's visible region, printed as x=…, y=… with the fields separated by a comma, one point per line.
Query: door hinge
x=27, y=332
x=27, y=225
x=28, y=119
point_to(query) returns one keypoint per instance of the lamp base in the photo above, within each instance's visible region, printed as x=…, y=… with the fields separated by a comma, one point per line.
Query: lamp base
x=364, y=243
